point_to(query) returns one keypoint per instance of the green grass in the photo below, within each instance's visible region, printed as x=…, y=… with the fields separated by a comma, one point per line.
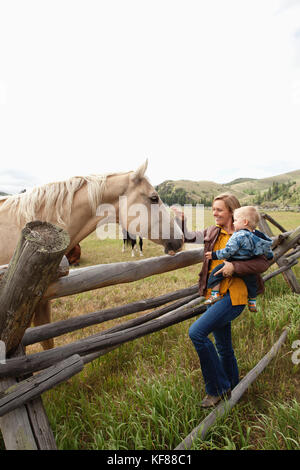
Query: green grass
x=146, y=394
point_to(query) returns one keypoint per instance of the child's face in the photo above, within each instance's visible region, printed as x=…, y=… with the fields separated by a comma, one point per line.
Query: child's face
x=240, y=223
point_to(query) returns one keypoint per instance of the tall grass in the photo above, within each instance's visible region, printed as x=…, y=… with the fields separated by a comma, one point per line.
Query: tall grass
x=147, y=393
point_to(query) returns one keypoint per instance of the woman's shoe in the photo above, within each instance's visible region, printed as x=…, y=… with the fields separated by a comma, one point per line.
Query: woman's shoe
x=210, y=400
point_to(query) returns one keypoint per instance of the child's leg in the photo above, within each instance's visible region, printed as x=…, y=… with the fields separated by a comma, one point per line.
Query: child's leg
x=250, y=281
x=214, y=297
x=213, y=280
x=213, y=283
x=252, y=305
x=216, y=288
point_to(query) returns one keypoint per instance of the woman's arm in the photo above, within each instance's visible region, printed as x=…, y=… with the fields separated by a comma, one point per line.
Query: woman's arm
x=189, y=236
x=256, y=265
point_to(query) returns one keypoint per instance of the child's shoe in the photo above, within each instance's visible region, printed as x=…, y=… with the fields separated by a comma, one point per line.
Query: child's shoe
x=214, y=297
x=252, y=305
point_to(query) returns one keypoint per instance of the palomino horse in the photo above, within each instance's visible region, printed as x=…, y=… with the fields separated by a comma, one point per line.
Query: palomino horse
x=80, y=205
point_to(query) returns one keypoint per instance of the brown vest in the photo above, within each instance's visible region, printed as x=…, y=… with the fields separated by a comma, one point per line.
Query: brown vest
x=210, y=237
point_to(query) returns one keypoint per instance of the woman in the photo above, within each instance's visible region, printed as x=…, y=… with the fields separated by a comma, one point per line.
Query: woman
x=218, y=362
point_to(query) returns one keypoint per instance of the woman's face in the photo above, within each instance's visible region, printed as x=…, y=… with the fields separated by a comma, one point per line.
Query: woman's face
x=221, y=213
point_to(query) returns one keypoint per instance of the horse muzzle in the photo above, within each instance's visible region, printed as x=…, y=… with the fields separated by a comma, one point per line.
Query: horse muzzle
x=172, y=246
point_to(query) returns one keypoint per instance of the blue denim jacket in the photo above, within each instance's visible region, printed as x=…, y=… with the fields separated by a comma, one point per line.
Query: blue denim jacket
x=244, y=244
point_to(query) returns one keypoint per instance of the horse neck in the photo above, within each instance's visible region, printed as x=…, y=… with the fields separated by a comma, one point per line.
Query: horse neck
x=116, y=185
x=83, y=220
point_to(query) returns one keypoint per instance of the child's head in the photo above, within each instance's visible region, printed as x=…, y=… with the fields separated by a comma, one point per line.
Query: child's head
x=246, y=217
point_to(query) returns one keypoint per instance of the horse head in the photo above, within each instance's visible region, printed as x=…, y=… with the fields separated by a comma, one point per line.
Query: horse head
x=142, y=212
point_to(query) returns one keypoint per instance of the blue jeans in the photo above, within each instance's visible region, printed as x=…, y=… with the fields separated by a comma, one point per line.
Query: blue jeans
x=218, y=363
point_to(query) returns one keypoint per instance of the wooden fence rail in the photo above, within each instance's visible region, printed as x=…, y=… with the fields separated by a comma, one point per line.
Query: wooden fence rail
x=103, y=275
x=37, y=361
x=54, y=329
x=290, y=242
x=284, y=268
x=273, y=221
x=22, y=392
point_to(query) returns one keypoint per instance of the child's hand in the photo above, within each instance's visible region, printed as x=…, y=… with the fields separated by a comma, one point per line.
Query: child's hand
x=208, y=255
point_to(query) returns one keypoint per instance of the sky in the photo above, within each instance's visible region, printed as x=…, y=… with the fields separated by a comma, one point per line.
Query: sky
x=205, y=89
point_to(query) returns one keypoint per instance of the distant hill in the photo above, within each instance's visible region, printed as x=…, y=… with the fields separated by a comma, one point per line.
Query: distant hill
x=241, y=180
x=3, y=194
x=280, y=191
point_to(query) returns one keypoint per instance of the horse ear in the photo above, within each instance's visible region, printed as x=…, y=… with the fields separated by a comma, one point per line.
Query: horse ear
x=140, y=172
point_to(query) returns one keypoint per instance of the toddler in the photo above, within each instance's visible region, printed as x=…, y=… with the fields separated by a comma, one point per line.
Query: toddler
x=245, y=243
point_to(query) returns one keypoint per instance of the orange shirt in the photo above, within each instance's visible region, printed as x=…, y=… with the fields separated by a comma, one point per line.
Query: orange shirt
x=237, y=288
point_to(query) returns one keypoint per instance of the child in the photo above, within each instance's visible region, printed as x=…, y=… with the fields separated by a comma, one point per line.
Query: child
x=245, y=243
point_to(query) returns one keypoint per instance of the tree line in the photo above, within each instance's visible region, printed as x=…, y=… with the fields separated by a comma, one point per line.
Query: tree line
x=275, y=192
x=171, y=195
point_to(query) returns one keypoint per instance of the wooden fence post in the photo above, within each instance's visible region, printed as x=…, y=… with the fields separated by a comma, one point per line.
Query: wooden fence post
x=32, y=268
x=26, y=427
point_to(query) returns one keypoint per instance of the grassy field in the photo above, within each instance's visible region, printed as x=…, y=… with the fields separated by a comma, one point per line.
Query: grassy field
x=146, y=394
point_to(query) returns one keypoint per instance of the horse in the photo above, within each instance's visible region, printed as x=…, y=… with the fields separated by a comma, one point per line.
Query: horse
x=132, y=240
x=81, y=204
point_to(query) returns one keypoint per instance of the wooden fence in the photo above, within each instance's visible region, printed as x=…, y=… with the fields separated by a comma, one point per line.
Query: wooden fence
x=38, y=272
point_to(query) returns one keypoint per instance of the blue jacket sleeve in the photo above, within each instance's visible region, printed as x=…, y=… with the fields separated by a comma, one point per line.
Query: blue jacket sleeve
x=232, y=247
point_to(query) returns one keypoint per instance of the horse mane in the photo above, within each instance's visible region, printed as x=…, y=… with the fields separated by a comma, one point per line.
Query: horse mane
x=53, y=201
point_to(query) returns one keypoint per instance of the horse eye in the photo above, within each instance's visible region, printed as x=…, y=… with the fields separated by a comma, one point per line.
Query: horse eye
x=154, y=199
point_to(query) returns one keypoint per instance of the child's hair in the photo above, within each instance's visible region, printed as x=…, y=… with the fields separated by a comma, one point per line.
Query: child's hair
x=250, y=213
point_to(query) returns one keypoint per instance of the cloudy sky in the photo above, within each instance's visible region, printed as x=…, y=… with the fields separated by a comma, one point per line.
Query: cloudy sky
x=205, y=89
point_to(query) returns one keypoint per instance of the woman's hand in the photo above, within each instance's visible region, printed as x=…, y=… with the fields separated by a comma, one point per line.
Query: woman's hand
x=227, y=270
x=208, y=255
x=179, y=214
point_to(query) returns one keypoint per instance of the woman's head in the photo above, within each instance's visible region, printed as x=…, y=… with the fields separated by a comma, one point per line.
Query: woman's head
x=223, y=207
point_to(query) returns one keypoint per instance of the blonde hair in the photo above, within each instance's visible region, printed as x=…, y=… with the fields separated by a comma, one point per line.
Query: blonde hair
x=231, y=202
x=250, y=213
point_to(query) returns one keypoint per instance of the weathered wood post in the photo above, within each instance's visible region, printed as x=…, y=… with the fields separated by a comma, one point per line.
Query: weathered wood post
x=32, y=268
